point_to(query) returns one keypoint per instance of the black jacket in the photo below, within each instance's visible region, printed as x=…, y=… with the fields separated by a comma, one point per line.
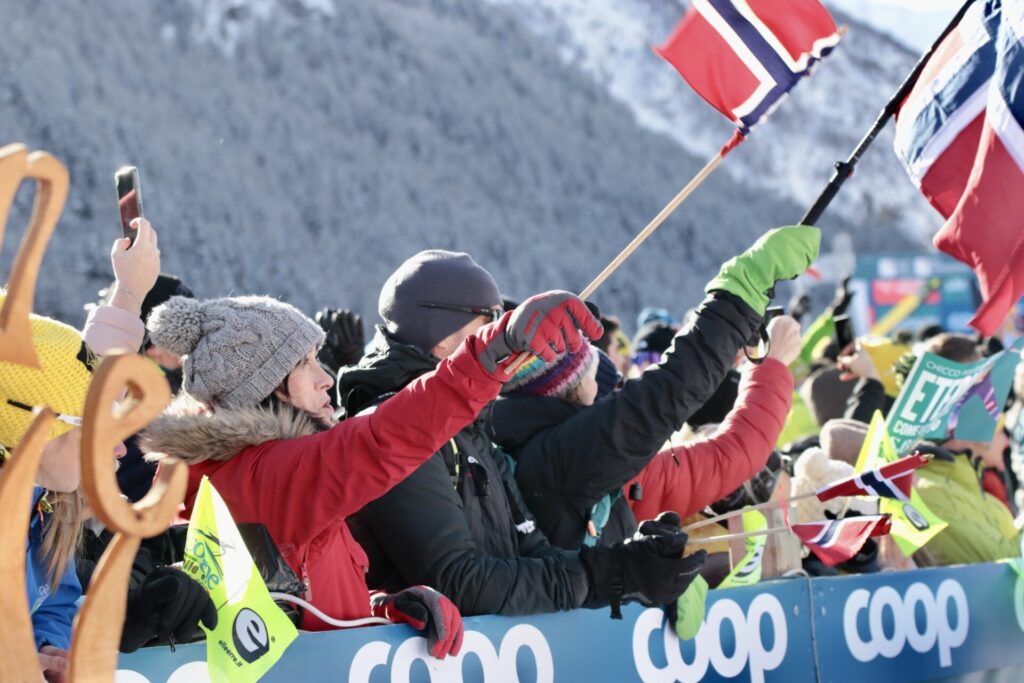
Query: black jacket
x=453, y=523
x=569, y=456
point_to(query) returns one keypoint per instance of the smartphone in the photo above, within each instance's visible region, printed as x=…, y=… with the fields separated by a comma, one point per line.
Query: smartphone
x=844, y=332
x=129, y=199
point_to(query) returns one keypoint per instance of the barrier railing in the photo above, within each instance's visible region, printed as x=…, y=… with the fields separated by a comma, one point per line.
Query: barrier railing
x=901, y=626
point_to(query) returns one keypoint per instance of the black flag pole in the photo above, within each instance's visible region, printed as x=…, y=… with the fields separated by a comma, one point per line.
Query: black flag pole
x=844, y=169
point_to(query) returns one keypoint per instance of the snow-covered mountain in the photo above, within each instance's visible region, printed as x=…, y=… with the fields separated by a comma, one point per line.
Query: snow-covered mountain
x=793, y=152
x=304, y=148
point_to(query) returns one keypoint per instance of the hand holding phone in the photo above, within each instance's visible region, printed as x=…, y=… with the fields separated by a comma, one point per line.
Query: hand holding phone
x=129, y=199
x=844, y=333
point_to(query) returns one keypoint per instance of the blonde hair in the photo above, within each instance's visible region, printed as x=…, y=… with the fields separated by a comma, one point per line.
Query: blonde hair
x=63, y=533
x=63, y=529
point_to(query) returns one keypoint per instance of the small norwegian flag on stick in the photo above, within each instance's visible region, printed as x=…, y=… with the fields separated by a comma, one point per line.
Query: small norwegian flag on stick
x=838, y=540
x=889, y=481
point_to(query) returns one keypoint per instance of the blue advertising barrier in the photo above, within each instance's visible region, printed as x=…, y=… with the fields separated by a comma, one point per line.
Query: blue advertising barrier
x=906, y=626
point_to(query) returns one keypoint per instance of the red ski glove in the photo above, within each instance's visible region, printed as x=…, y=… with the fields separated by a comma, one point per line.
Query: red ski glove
x=423, y=608
x=545, y=325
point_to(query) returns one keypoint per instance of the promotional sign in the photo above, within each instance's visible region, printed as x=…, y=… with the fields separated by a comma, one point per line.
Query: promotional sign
x=747, y=571
x=883, y=281
x=913, y=522
x=918, y=625
x=941, y=399
x=252, y=632
x=901, y=626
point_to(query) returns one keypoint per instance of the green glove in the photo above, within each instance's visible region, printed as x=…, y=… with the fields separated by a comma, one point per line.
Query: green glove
x=690, y=609
x=780, y=254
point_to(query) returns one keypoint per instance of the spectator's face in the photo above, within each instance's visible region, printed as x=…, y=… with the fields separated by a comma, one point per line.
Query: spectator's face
x=586, y=391
x=447, y=346
x=308, y=385
x=617, y=357
x=60, y=467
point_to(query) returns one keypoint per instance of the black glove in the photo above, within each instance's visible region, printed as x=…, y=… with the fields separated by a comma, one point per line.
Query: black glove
x=647, y=569
x=799, y=306
x=345, y=337
x=167, y=604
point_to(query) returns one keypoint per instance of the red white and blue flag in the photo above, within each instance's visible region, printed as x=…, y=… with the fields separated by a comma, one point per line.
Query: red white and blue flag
x=838, y=540
x=960, y=136
x=743, y=56
x=889, y=481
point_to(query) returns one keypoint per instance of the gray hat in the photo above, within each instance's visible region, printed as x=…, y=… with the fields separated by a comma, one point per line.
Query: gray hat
x=434, y=276
x=236, y=350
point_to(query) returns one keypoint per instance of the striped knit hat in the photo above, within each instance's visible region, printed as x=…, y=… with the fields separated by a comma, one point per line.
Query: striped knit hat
x=557, y=380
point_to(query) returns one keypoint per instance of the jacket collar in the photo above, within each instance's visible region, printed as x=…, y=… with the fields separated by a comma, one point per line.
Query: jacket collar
x=389, y=366
x=184, y=431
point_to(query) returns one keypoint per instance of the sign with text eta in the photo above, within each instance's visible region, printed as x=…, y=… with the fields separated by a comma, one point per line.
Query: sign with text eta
x=941, y=399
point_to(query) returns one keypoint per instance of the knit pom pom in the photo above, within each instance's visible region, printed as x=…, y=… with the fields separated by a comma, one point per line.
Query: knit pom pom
x=177, y=325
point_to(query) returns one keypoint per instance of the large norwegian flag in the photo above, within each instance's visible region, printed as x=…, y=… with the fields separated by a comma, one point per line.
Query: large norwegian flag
x=960, y=136
x=837, y=540
x=889, y=481
x=743, y=56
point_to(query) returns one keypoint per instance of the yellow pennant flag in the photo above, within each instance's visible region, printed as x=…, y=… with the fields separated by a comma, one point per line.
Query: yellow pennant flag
x=913, y=524
x=252, y=632
x=747, y=571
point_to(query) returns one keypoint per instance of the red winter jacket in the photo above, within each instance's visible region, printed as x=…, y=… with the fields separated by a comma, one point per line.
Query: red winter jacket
x=687, y=478
x=302, y=484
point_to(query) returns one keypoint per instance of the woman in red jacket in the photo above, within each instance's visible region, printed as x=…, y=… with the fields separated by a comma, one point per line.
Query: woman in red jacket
x=686, y=479
x=255, y=418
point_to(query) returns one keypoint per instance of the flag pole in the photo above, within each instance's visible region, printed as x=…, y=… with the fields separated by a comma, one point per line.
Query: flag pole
x=642, y=236
x=737, y=536
x=844, y=169
x=749, y=508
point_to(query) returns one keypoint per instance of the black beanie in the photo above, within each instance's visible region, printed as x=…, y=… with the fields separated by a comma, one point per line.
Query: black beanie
x=437, y=277
x=654, y=337
x=166, y=286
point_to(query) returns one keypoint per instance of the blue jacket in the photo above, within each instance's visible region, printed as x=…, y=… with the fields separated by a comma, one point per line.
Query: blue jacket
x=52, y=612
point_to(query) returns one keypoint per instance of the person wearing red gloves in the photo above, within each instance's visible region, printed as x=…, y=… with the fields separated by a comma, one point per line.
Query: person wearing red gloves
x=255, y=417
x=459, y=523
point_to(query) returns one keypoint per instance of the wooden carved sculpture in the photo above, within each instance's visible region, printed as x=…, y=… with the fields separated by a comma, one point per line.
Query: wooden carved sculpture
x=17, y=479
x=16, y=164
x=97, y=631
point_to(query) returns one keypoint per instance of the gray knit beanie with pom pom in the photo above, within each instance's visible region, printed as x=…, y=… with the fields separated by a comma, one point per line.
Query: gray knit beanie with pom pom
x=236, y=350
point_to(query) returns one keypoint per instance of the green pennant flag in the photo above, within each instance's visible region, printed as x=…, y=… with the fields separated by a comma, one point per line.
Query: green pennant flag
x=913, y=524
x=252, y=632
x=747, y=571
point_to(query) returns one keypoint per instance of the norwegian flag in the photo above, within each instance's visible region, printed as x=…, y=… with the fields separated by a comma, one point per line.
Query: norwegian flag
x=960, y=136
x=837, y=540
x=889, y=481
x=743, y=56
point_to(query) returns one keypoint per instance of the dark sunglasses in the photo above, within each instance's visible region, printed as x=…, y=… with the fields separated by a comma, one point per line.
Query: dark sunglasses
x=493, y=313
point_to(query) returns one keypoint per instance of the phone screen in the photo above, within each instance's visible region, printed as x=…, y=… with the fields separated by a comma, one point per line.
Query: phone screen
x=129, y=199
x=844, y=331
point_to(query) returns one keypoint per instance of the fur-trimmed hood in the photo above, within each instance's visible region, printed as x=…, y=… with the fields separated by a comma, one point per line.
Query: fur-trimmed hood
x=188, y=432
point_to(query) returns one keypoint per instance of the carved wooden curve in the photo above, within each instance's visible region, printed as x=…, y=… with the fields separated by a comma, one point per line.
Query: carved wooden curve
x=97, y=631
x=16, y=164
x=17, y=480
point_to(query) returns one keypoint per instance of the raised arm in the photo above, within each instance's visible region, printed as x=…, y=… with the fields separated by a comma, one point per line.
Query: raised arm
x=687, y=478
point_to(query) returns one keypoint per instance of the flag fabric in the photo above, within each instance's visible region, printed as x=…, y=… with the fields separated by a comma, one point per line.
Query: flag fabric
x=913, y=522
x=747, y=571
x=837, y=540
x=252, y=632
x=743, y=56
x=889, y=481
x=960, y=136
